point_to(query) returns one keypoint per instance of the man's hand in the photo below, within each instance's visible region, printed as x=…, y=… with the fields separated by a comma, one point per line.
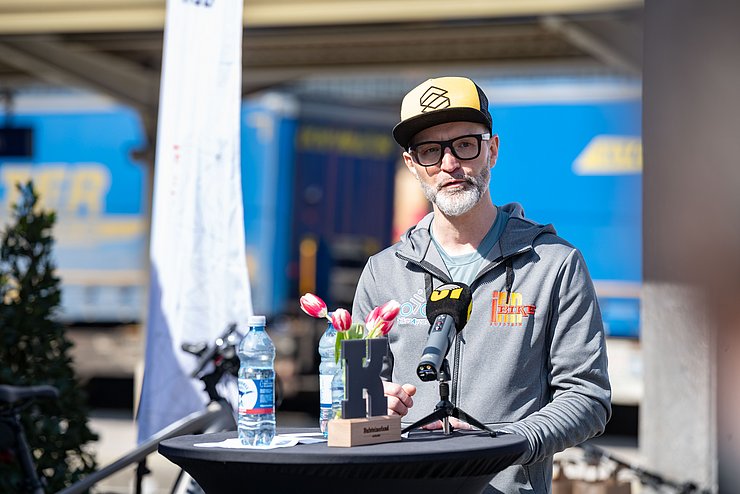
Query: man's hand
x=399, y=397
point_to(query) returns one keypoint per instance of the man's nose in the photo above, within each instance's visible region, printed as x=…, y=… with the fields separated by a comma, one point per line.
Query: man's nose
x=449, y=162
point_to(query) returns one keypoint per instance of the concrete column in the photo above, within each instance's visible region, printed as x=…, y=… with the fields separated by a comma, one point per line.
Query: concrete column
x=677, y=419
x=691, y=233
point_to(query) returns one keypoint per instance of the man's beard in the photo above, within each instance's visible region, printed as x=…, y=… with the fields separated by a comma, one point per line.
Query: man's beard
x=460, y=201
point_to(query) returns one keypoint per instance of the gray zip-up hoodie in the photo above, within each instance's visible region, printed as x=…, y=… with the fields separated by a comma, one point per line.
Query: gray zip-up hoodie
x=531, y=360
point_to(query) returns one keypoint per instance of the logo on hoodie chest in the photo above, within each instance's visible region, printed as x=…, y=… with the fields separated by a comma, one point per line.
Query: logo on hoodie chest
x=508, y=309
x=414, y=310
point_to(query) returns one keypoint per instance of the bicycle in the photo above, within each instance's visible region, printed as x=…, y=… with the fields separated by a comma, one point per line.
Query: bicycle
x=218, y=416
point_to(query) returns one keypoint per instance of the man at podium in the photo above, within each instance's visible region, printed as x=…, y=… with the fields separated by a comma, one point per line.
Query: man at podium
x=531, y=359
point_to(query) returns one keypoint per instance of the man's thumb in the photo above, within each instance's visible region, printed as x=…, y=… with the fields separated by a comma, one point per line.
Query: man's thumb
x=409, y=388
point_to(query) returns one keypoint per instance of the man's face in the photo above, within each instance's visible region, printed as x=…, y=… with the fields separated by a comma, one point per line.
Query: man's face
x=453, y=185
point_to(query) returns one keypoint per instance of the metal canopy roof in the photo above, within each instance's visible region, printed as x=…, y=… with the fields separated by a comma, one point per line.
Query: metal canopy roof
x=80, y=16
x=115, y=46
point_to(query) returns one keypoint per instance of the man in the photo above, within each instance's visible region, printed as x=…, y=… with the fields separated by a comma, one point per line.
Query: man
x=531, y=359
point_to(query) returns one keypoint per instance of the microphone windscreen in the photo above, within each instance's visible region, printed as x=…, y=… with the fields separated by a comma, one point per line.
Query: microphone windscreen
x=453, y=299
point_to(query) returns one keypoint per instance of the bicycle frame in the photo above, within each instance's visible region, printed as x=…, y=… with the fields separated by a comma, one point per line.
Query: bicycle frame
x=13, y=419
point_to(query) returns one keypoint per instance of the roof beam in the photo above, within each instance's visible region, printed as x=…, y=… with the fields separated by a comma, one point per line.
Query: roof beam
x=592, y=44
x=58, y=62
x=82, y=16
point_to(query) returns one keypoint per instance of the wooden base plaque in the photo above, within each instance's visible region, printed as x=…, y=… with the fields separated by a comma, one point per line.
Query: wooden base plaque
x=345, y=433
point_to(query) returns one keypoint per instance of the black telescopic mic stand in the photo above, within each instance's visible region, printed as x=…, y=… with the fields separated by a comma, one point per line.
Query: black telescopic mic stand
x=445, y=409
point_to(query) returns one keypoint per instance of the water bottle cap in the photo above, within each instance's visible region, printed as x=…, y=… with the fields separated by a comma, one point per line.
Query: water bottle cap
x=256, y=320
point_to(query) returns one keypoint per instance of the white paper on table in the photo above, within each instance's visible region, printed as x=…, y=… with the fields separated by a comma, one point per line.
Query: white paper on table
x=279, y=441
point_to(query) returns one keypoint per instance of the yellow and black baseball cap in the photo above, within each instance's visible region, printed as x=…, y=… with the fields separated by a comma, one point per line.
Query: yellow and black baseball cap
x=441, y=100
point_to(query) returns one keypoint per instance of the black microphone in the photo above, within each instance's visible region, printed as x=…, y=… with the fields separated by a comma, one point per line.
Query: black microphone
x=448, y=310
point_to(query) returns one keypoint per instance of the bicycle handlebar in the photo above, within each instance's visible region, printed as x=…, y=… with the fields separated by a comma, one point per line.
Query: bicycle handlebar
x=13, y=394
x=646, y=477
x=207, y=355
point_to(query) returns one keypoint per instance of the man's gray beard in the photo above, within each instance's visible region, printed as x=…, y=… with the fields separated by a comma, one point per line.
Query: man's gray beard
x=458, y=202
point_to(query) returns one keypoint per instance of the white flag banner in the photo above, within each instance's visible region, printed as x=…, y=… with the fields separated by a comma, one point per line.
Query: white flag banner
x=198, y=278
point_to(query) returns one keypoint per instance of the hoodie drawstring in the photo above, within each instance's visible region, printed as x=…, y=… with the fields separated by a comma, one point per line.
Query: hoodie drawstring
x=428, y=284
x=509, y=279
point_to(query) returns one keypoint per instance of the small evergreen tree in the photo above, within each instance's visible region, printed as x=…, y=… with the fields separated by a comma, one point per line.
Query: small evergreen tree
x=34, y=350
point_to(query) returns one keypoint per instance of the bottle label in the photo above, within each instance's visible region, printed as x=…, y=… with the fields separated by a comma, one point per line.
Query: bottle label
x=325, y=390
x=256, y=396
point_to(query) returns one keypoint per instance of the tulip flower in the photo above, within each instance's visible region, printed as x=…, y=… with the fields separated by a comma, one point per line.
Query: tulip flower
x=380, y=320
x=372, y=319
x=389, y=310
x=341, y=319
x=385, y=327
x=313, y=306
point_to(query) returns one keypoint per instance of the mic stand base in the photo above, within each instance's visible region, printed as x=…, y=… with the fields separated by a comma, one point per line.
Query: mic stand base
x=443, y=411
x=444, y=415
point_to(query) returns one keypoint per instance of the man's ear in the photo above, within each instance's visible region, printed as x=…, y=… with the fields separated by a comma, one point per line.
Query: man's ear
x=409, y=162
x=493, y=151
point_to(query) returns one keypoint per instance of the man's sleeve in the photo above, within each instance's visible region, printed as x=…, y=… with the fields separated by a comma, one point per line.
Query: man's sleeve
x=365, y=294
x=366, y=299
x=579, y=381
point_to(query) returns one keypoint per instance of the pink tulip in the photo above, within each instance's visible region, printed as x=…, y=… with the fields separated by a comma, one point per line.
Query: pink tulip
x=313, y=306
x=379, y=327
x=380, y=320
x=389, y=310
x=385, y=327
x=341, y=319
x=372, y=318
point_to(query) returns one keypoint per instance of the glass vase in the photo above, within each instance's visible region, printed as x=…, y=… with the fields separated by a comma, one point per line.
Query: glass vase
x=337, y=391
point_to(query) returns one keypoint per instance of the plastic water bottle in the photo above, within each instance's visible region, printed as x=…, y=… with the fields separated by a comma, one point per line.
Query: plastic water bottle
x=256, y=385
x=327, y=369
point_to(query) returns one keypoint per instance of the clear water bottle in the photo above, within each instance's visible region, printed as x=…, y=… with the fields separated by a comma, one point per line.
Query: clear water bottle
x=256, y=385
x=327, y=369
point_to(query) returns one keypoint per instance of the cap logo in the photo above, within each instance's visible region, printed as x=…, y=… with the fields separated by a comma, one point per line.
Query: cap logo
x=434, y=98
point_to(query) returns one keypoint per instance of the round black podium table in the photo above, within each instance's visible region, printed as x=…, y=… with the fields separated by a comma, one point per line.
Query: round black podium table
x=463, y=462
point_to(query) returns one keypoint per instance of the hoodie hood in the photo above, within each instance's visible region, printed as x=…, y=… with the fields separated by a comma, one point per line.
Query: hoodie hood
x=518, y=236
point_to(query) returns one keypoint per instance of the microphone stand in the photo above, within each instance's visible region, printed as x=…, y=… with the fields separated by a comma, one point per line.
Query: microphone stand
x=445, y=409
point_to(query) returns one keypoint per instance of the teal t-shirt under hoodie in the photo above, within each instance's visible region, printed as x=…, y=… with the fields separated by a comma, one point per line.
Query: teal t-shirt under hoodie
x=464, y=268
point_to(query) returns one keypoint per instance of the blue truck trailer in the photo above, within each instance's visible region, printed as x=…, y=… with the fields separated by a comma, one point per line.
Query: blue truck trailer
x=81, y=164
x=310, y=172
